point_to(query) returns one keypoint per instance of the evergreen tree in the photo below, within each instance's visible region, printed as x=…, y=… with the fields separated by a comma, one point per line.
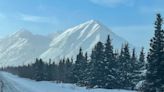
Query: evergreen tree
x=125, y=68
x=39, y=68
x=79, y=69
x=133, y=56
x=97, y=66
x=86, y=70
x=61, y=71
x=142, y=65
x=90, y=67
x=120, y=71
x=110, y=66
x=45, y=71
x=51, y=71
x=142, y=59
x=55, y=71
x=155, y=67
x=86, y=57
x=135, y=69
x=68, y=69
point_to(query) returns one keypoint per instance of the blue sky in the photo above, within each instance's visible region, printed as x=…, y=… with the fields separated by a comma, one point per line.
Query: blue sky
x=131, y=19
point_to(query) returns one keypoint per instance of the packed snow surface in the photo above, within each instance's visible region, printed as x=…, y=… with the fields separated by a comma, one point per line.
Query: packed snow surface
x=14, y=83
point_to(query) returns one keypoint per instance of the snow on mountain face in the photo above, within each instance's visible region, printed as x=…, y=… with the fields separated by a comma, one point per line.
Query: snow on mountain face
x=85, y=35
x=21, y=48
x=54, y=34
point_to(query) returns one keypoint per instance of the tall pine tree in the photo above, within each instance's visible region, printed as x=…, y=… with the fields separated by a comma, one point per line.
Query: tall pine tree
x=39, y=69
x=135, y=69
x=142, y=60
x=125, y=68
x=97, y=66
x=110, y=66
x=68, y=69
x=155, y=67
x=79, y=69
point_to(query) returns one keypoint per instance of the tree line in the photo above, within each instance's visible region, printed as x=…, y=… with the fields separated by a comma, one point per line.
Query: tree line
x=105, y=67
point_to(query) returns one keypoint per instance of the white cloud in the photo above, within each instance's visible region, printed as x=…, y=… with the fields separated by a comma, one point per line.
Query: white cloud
x=113, y=3
x=38, y=19
x=32, y=18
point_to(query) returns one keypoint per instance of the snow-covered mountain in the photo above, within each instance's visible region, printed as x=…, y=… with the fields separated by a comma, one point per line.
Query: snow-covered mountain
x=85, y=35
x=23, y=47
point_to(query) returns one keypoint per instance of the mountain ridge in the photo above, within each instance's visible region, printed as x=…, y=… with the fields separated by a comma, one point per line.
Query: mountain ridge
x=23, y=47
x=84, y=35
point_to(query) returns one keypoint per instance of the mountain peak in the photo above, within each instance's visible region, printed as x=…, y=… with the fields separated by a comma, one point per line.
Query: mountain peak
x=85, y=35
x=22, y=33
x=87, y=26
x=92, y=21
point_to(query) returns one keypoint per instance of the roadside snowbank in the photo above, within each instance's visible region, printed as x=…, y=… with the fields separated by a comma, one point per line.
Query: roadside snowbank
x=27, y=85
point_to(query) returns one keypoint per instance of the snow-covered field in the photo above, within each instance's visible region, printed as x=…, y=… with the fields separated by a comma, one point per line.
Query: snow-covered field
x=14, y=83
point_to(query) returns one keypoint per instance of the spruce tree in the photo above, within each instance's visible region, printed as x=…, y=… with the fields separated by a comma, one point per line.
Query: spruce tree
x=142, y=64
x=140, y=70
x=86, y=70
x=90, y=68
x=110, y=68
x=68, y=69
x=142, y=59
x=120, y=69
x=39, y=68
x=125, y=68
x=97, y=66
x=135, y=69
x=61, y=71
x=155, y=68
x=51, y=71
x=79, y=69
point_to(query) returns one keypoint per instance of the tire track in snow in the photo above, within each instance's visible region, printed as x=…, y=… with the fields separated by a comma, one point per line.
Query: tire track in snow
x=7, y=86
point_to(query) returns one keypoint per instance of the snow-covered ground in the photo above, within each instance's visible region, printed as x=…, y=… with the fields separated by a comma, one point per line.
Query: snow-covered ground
x=14, y=83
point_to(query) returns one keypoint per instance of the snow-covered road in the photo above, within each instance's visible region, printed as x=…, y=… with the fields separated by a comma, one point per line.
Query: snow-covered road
x=12, y=83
